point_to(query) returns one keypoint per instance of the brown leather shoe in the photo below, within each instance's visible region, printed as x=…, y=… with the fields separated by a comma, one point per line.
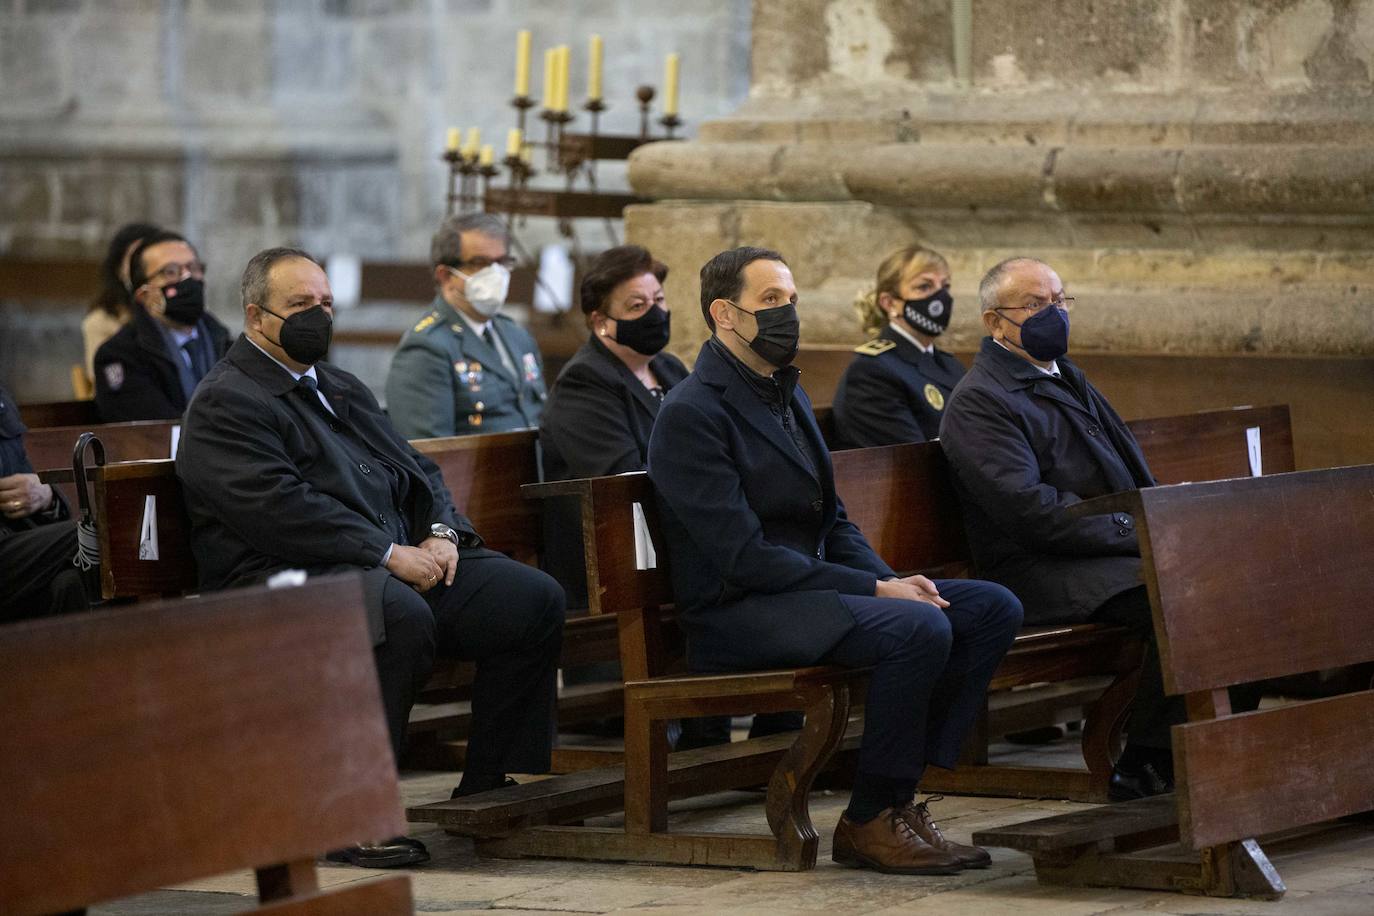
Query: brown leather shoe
x=888, y=844
x=918, y=817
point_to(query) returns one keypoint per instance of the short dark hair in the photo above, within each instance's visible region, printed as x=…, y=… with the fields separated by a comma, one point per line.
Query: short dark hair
x=138, y=273
x=253, y=286
x=722, y=277
x=114, y=297
x=446, y=246
x=613, y=267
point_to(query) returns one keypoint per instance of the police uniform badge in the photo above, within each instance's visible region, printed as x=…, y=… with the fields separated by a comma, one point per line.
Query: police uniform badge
x=114, y=375
x=933, y=397
x=531, y=366
x=875, y=347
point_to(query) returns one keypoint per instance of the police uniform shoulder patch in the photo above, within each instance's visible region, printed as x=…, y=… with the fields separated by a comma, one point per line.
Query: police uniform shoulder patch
x=114, y=375
x=934, y=397
x=426, y=323
x=874, y=347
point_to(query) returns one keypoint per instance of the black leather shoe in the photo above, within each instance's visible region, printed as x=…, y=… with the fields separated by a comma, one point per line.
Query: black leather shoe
x=1128, y=785
x=397, y=852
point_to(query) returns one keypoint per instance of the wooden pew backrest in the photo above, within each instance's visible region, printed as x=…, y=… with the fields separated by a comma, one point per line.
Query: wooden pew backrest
x=1211, y=444
x=51, y=446
x=58, y=413
x=132, y=496
x=151, y=745
x=1258, y=578
x=484, y=473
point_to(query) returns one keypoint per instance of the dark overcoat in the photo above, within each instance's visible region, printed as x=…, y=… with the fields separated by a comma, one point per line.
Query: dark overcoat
x=760, y=547
x=599, y=415
x=14, y=460
x=272, y=481
x=135, y=378
x=893, y=392
x=1024, y=447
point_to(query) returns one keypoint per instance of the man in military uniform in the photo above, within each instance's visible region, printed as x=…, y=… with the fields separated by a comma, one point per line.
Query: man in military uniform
x=464, y=368
x=148, y=370
x=37, y=534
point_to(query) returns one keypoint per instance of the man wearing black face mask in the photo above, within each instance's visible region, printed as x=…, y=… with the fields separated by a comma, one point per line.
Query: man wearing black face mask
x=148, y=370
x=287, y=461
x=1028, y=436
x=768, y=572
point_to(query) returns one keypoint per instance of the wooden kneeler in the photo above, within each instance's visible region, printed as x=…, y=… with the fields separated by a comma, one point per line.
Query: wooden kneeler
x=1249, y=579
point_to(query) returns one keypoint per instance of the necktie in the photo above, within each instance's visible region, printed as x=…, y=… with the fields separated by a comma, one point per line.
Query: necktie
x=490, y=338
x=188, y=353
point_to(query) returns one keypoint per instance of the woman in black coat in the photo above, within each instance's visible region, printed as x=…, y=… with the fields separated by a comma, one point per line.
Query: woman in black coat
x=895, y=389
x=603, y=405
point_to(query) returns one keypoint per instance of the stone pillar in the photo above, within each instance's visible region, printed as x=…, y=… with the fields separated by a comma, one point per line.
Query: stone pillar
x=1200, y=172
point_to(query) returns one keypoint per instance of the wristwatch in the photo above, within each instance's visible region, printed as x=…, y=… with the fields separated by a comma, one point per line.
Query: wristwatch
x=440, y=530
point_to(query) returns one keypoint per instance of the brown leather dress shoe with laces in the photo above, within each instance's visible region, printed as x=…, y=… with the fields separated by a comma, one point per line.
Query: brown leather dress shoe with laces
x=918, y=816
x=888, y=844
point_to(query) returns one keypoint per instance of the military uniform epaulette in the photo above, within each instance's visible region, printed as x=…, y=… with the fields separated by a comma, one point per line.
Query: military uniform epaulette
x=427, y=322
x=875, y=347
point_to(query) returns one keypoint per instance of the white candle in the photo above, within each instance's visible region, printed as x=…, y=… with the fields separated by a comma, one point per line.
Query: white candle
x=670, y=77
x=594, y=69
x=452, y=142
x=550, y=78
x=522, y=63
x=513, y=141
x=488, y=155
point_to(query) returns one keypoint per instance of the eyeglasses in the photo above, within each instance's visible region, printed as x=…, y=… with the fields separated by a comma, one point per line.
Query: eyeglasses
x=171, y=273
x=1064, y=305
x=472, y=265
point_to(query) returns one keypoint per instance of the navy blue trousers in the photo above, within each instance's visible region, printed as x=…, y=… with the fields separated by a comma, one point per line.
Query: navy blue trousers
x=931, y=668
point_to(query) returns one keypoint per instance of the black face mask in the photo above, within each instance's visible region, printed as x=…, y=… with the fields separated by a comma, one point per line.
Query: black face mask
x=646, y=334
x=305, y=335
x=931, y=314
x=778, y=336
x=1045, y=335
x=184, y=300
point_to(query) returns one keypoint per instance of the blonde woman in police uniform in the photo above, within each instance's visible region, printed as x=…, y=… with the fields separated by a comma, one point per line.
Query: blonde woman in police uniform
x=464, y=367
x=895, y=389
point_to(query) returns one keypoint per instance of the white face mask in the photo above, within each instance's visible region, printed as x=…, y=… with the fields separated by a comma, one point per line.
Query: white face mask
x=486, y=290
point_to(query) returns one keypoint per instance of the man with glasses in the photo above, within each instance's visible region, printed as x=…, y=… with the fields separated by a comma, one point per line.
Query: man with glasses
x=1027, y=437
x=464, y=367
x=148, y=370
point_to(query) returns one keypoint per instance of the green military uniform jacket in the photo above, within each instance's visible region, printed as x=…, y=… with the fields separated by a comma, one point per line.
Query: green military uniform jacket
x=447, y=381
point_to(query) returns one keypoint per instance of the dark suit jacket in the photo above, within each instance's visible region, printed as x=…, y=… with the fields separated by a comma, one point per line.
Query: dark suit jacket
x=14, y=460
x=1024, y=447
x=135, y=378
x=760, y=546
x=269, y=485
x=599, y=415
x=886, y=398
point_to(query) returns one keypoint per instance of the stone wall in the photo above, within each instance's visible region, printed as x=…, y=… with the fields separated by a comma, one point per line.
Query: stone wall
x=309, y=122
x=1200, y=171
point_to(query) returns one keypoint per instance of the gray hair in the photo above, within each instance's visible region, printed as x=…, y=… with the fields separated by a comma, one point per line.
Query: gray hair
x=253, y=287
x=446, y=247
x=990, y=287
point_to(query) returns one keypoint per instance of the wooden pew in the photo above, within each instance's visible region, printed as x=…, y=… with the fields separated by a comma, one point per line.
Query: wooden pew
x=51, y=446
x=58, y=413
x=1249, y=579
x=153, y=745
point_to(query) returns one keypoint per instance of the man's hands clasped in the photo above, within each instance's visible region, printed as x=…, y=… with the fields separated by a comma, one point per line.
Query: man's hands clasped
x=423, y=567
x=912, y=588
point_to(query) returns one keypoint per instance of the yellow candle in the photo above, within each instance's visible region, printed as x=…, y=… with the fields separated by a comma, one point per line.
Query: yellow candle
x=488, y=155
x=522, y=63
x=564, y=64
x=474, y=142
x=513, y=141
x=670, y=75
x=550, y=78
x=527, y=154
x=451, y=142
x=594, y=70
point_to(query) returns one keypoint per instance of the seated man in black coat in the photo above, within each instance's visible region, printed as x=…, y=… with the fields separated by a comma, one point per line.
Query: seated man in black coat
x=768, y=572
x=37, y=534
x=287, y=461
x=150, y=367
x=1028, y=436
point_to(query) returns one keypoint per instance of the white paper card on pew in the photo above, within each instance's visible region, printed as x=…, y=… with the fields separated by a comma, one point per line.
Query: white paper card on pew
x=645, y=556
x=147, y=538
x=176, y=439
x=1252, y=442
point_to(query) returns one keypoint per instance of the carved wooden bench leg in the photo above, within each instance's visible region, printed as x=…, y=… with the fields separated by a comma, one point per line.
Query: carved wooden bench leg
x=1104, y=722
x=788, y=805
